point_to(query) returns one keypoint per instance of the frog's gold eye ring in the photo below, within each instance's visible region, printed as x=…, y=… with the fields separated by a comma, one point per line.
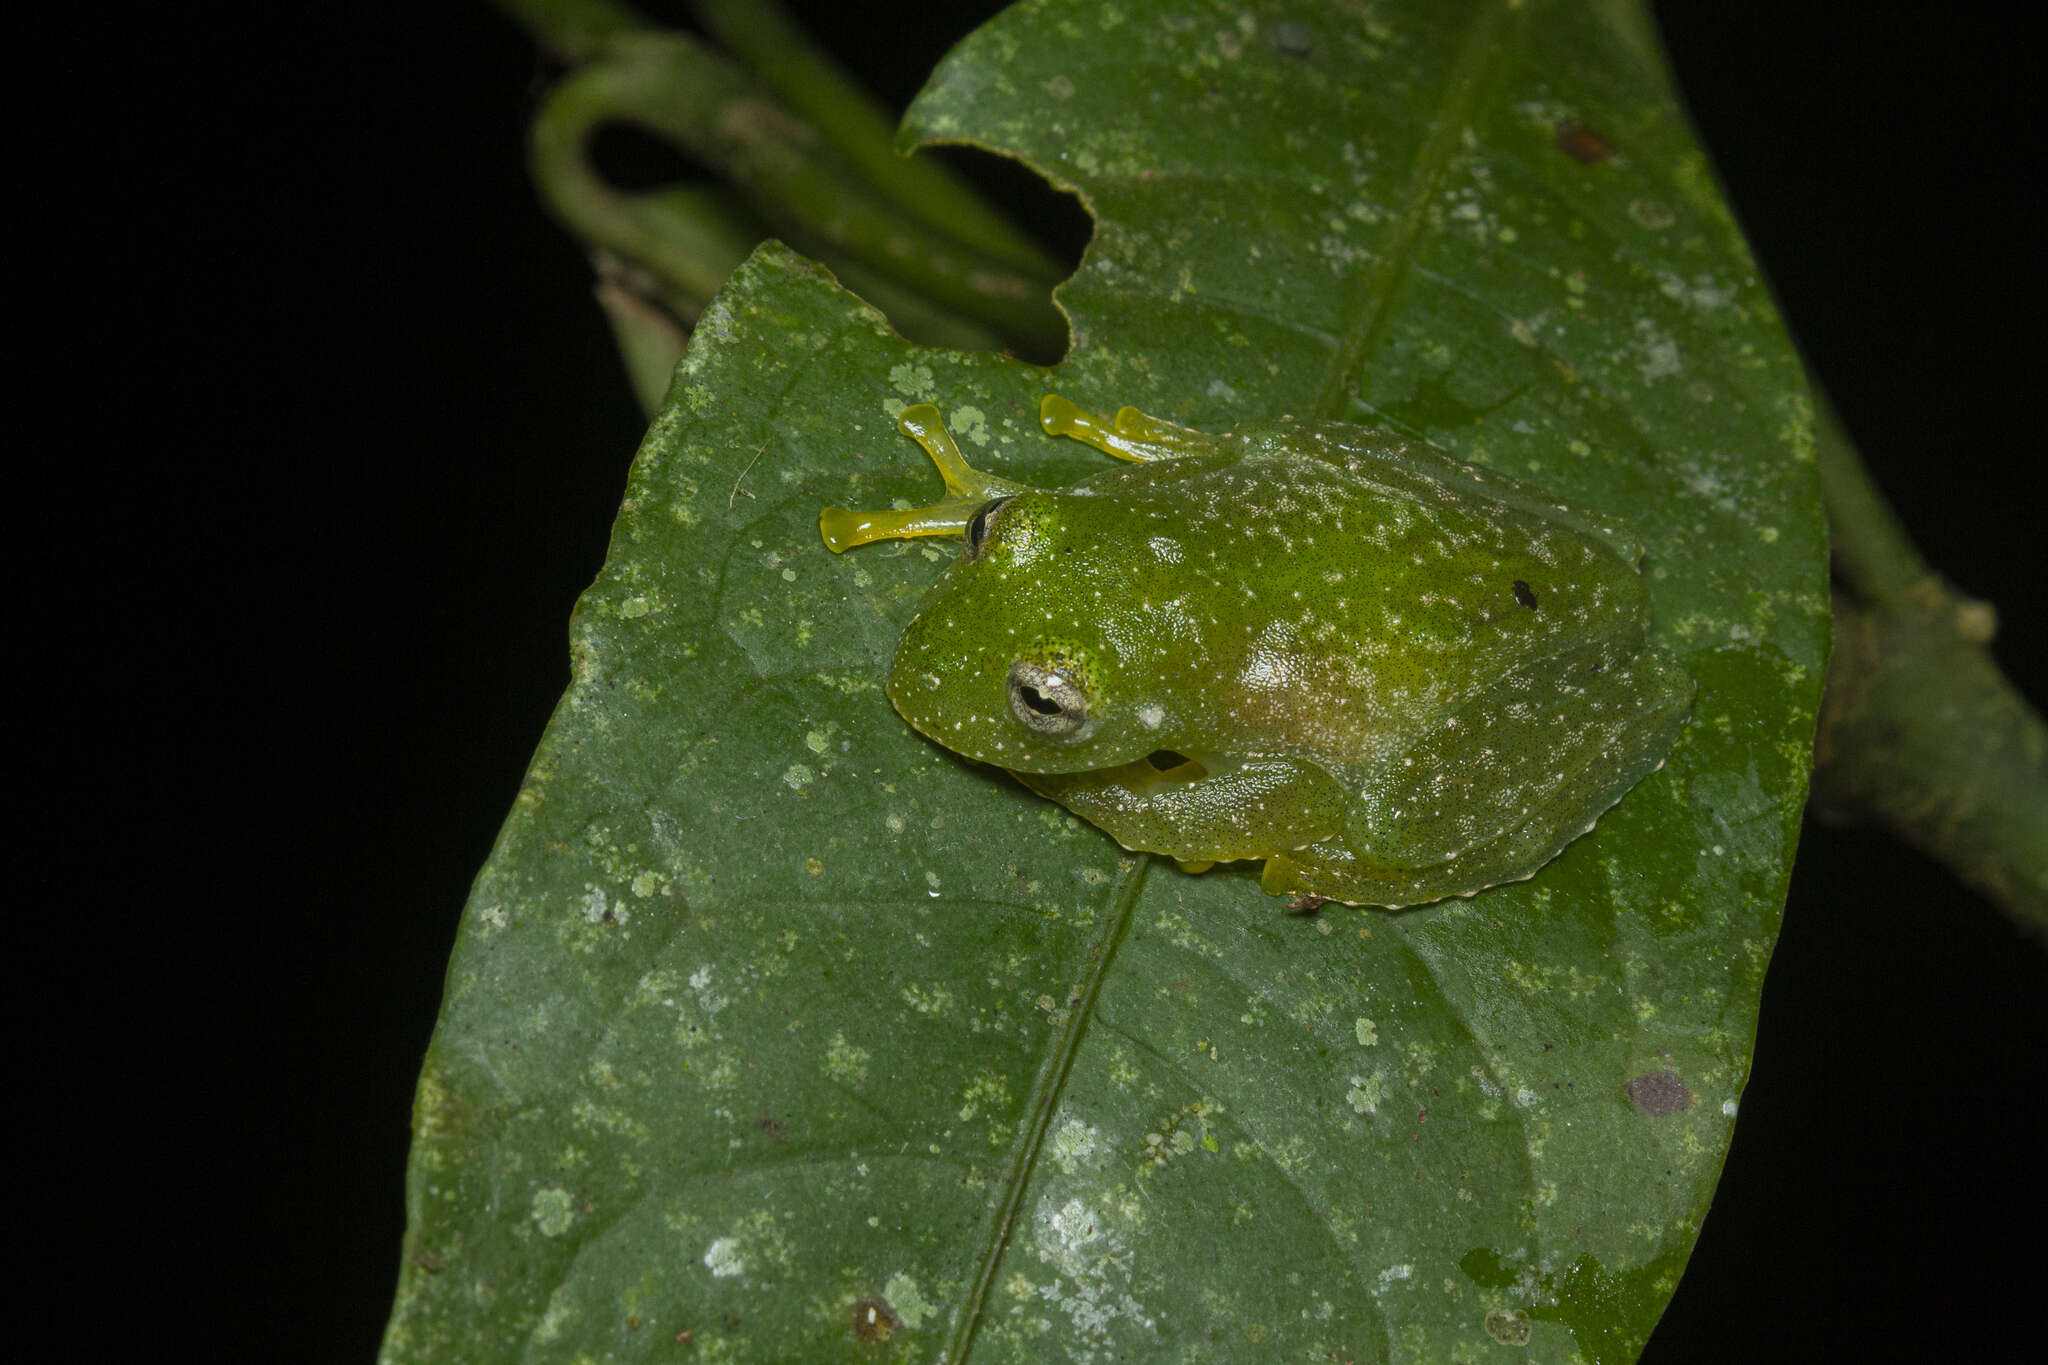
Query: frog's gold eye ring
x=1044, y=701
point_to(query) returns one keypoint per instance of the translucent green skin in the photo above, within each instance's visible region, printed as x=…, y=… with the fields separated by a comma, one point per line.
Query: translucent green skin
x=1392, y=676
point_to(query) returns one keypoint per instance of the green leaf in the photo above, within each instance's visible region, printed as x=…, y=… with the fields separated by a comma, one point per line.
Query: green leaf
x=773, y=1028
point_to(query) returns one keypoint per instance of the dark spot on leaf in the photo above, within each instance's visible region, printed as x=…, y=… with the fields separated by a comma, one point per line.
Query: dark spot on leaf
x=772, y=1126
x=874, y=1319
x=1659, y=1093
x=1293, y=38
x=1525, y=594
x=1164, y=760
x=1307, y=904
x=1582, y=144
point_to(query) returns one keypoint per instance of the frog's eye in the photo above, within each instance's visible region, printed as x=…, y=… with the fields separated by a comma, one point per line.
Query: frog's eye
x=978, y=524
x=1050, y=703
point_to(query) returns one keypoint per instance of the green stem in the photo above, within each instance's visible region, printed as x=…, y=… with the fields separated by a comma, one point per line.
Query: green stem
x=1873, y=553
x=761, y=34
x=690, y=245
x=574, y=30
x=1920, y=730
x=678, y=90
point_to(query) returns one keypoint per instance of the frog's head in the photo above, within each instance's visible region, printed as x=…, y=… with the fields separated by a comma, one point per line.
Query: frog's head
x=1028, y=652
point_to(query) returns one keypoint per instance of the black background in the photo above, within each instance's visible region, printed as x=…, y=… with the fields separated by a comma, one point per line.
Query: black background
x=338, y=435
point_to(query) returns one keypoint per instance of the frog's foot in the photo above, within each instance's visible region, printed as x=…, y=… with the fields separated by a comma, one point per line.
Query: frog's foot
x=968, y=491
x=1130, y=435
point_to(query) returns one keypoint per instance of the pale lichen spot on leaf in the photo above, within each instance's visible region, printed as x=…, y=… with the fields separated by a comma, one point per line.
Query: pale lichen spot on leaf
x=1651, y=215
x=1509, y=1326
x=1656, y=352
x=554, y=1211
x=932, y=1000
x=908, y=1300
x=844, y=1062
x=1074, y=1144
x=598, y=908
x=969, y=424
x=723, y=1258
x=914, y=382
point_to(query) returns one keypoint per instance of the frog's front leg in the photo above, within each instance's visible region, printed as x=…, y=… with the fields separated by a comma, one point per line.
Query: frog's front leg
x=1205, y=808
x=1130, y=435
x=968, y=491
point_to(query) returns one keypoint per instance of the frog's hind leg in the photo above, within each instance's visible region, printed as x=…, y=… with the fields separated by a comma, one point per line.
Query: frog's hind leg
x=967, y=491
x=1130, y=435
x=1521, y=770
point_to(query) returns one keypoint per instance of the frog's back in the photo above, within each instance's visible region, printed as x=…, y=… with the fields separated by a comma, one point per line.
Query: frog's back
x=1430, y=471
x=1355, y=589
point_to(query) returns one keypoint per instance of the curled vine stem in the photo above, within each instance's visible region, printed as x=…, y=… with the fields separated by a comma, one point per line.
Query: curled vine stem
x=907, y=237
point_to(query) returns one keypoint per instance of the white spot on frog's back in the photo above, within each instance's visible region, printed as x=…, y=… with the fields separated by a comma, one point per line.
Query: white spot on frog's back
x=1165, y=549
x=1274, y=663
x=1151, y=715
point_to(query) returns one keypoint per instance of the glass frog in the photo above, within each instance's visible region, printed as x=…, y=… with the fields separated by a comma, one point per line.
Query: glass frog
x=1390, y=676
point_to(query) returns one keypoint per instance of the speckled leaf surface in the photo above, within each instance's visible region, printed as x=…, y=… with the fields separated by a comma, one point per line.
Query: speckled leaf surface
x=774, y=1032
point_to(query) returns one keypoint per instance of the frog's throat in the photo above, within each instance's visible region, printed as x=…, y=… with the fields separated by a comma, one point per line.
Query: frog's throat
x=1130, y=435
x=967, y=489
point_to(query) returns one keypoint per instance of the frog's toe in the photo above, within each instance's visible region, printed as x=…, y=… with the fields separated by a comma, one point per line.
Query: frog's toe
x=967, y=491
x=1130, y=435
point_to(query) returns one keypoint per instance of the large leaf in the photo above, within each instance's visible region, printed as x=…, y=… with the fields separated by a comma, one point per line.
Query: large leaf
x=773, y=1028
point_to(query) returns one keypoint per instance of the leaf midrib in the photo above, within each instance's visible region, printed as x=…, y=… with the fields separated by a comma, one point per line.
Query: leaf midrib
x=1044, y=1101
x=1370, y=313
